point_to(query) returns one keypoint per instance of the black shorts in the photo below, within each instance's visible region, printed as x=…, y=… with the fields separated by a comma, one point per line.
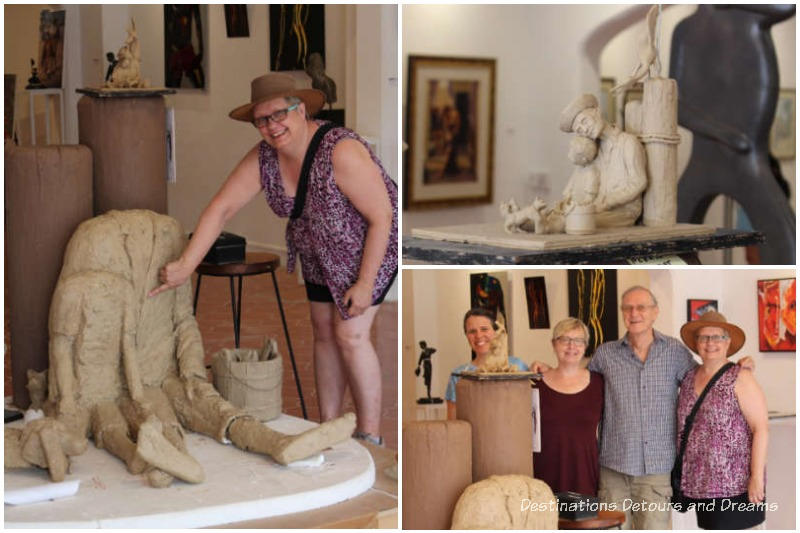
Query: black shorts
x=321, y=293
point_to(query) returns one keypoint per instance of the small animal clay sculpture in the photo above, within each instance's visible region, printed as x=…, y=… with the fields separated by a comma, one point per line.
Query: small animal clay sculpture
x=497, y=359
x=649, y=64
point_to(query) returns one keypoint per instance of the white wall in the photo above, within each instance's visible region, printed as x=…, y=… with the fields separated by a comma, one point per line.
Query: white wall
x=361, y=56
x=440, y=298
x=537, y=49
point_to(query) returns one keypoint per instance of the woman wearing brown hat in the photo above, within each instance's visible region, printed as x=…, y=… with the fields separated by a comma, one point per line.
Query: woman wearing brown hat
x=726, y=450
x=343, y=226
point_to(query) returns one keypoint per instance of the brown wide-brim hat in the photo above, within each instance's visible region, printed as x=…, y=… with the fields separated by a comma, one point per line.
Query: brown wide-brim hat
x=569, y=113
x=712, y=319
x=277, y=85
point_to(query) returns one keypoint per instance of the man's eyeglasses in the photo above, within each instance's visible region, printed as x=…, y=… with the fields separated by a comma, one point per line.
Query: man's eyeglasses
x=701, y=339
x=575, y=341
x=628, y=309
x=277, y=116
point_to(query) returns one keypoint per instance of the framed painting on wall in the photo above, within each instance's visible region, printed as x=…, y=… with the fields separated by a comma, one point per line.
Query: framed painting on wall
x=593, y=299
x=696, y=308
x=295, y=32
x=236, y=20
x=450, y=131
x=776, y=315
x=185, y=59
x=51, y=47
x=782, y=134
x=536, y=296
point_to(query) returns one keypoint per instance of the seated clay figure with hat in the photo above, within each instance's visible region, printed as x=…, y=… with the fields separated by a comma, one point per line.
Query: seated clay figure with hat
x=620, y=164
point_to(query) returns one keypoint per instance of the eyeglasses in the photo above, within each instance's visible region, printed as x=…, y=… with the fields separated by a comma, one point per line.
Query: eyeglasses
x=277, y=116
x=628, y=309
x=575, y=341
x=711, y=338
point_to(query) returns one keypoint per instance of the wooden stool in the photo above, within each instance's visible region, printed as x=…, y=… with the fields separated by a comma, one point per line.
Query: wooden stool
x=261, y=263
x=604, y=520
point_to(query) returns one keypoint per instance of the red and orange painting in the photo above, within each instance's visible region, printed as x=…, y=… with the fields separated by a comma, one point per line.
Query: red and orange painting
x=776, y=315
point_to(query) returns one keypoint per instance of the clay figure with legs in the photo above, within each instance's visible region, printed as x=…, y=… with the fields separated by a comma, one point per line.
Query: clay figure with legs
x=127, y=369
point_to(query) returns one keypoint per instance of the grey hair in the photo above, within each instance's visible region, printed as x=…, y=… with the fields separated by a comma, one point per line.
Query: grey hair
x=640, y=288
x=291, y=100
x=568, y=324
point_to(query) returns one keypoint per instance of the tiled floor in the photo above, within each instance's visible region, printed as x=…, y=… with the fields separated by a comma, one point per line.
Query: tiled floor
x=260, y=317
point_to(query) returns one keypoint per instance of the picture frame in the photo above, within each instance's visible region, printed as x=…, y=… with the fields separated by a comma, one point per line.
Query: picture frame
x=782, y=134
x=51, y=47
x=592, y=297
x=185, y=52
x=777, y=321
x=236, y=20
x=295, y=32
x=696, y=307
x=450, y=131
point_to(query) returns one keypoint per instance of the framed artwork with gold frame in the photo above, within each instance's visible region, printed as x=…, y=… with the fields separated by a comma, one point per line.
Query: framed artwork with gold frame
x=450, y=131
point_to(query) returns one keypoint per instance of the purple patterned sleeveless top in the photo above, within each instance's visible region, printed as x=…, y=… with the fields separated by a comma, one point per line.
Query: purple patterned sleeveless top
x=716, y=463
x=329, y=236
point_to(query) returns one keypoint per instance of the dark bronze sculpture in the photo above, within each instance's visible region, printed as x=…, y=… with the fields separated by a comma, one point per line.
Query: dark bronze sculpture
x=427, y=371
x=724, y=61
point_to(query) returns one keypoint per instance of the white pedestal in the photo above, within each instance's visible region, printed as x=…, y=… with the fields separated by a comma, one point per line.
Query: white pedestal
x=48, y=94
x=432, y=411
x=238, y=486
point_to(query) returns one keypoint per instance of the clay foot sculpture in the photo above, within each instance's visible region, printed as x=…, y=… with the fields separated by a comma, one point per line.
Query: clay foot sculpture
x=250, y=434
x=154, y=448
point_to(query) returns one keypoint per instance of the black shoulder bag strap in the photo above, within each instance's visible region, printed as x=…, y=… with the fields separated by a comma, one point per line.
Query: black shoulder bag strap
x=302, y=184
x=690, y=421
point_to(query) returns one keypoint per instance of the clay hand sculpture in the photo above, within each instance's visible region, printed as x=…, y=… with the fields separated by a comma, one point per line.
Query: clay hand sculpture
x=127, y=370
x=497, y=359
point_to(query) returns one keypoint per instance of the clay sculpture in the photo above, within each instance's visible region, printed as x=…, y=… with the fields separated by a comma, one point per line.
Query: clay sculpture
x=506, y=502
x=127, y=370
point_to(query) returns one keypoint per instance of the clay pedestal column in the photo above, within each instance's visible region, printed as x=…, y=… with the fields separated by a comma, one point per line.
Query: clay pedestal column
x=48, y=193
x=502, y=428
x=126, y=131
x=437, y=467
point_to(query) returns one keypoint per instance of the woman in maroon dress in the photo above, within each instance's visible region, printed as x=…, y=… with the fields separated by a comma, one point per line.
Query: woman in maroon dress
x=571, y=405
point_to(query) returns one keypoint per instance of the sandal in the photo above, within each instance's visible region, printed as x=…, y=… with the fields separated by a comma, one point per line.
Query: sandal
x=377, y=440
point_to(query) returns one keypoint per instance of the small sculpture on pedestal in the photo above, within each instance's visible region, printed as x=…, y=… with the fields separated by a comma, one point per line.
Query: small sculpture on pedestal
x=126, y=72
x=319, y=80
x=34, y=82
x=427, y=371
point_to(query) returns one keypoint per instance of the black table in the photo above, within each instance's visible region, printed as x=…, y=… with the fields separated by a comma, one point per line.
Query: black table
x=253, y=265
x=456, y=253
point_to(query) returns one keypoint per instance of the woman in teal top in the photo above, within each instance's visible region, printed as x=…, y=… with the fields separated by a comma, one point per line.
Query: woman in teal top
x=480, y=328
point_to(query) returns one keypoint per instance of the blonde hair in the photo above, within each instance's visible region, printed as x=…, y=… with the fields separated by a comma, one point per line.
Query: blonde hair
x=568, y=324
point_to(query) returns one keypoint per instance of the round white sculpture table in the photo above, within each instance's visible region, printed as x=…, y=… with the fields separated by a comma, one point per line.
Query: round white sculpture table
x=238, y=486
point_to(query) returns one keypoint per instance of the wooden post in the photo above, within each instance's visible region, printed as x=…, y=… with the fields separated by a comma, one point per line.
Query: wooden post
x=660, y=138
